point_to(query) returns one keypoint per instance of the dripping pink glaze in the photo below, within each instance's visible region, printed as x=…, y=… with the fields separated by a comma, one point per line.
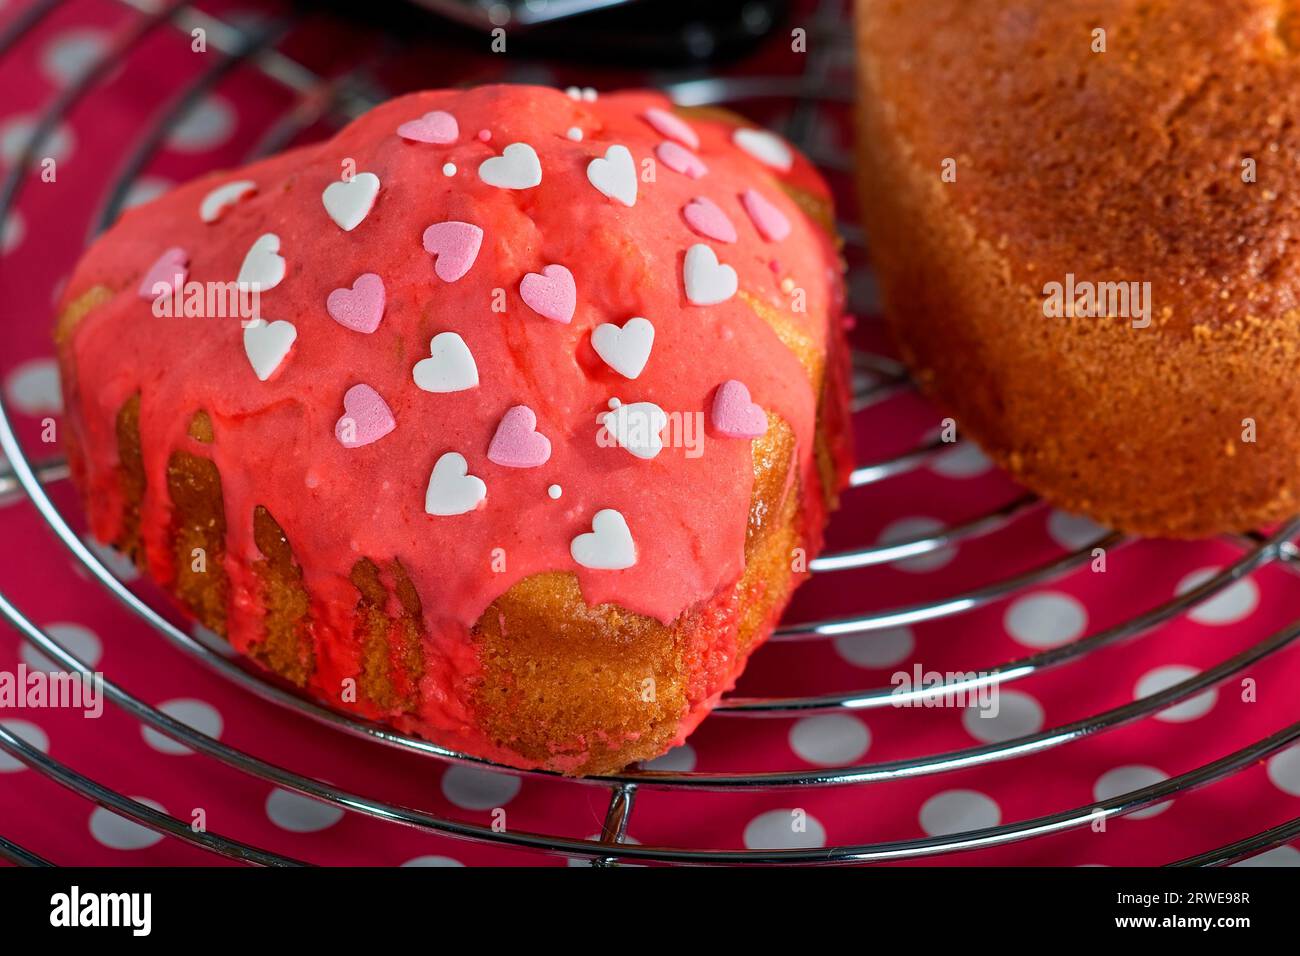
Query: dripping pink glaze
x=275, y=441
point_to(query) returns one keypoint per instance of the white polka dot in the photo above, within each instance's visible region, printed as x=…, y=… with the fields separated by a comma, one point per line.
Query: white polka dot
x=876, y=649
x=1073, y=532
x=1010, y=714
x=33, y=387
x=1045, y=619
x=122, y=567
x=15, y=133
x=956, y=811
x=27, y=731
x=554, y=491
x=830, y=739
x=907, y=528
x=145, y=189
x=205, y=127
x=212, y=640
x=66, y=58
x=1123, y=780
x=449, y=169
x=471, y=788
x=574, y=134
x=298, y=814
x=1228, y=606
x=193, y=713
x=119, y=833
x=678, y=760
x=964, y=461
x=433, y=861
x=1278, y=856
x=1162, y=678
x=81, y=642
x=1284, y=770
x=784, y=829
x=12, y=232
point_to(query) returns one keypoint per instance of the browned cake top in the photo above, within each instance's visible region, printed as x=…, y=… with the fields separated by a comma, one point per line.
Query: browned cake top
x=1125, y=164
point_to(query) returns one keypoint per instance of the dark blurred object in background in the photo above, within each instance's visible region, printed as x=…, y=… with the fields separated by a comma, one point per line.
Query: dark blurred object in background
x=629, y=32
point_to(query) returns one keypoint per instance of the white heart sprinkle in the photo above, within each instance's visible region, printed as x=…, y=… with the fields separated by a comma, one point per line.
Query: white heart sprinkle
x=626, y=349
x=608, y=546
x=615, y=175
x=267, y=344
x=263, y=267
x=223, y=197
x=450, y=366
x=350, y=201
x=708, y=282
x=452, y=489
x=516, y=168
x=637, y=427
x=765, y=147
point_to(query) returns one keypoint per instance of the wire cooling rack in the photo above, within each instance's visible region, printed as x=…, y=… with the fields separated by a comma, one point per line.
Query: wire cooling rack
x=881, y=378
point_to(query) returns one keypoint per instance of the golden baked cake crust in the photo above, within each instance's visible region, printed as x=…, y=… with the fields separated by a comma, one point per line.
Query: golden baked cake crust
x=1166, y=160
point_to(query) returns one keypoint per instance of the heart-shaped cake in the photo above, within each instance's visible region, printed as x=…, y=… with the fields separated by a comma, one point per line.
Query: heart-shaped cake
x=474, y=431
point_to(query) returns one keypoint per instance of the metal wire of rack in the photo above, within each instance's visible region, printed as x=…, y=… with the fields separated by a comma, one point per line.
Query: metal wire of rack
x=346, y=97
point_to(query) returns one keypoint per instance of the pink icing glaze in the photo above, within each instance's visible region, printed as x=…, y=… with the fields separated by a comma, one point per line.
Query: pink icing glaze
x=275, y=441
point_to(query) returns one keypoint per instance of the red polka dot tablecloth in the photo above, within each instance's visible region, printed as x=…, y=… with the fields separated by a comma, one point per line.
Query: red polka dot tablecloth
x=221, y=116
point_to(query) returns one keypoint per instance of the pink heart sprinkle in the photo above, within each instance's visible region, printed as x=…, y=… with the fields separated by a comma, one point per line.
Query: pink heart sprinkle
x=705, y=217
x=734, y=415
x=366, y=418
x=517, y=442
x=680, y=160
x=169, y=270
x=667, y=124
x=436, y=127
x=551, y=294
x=456, y=246
x=359, y=308
x=770, y=221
